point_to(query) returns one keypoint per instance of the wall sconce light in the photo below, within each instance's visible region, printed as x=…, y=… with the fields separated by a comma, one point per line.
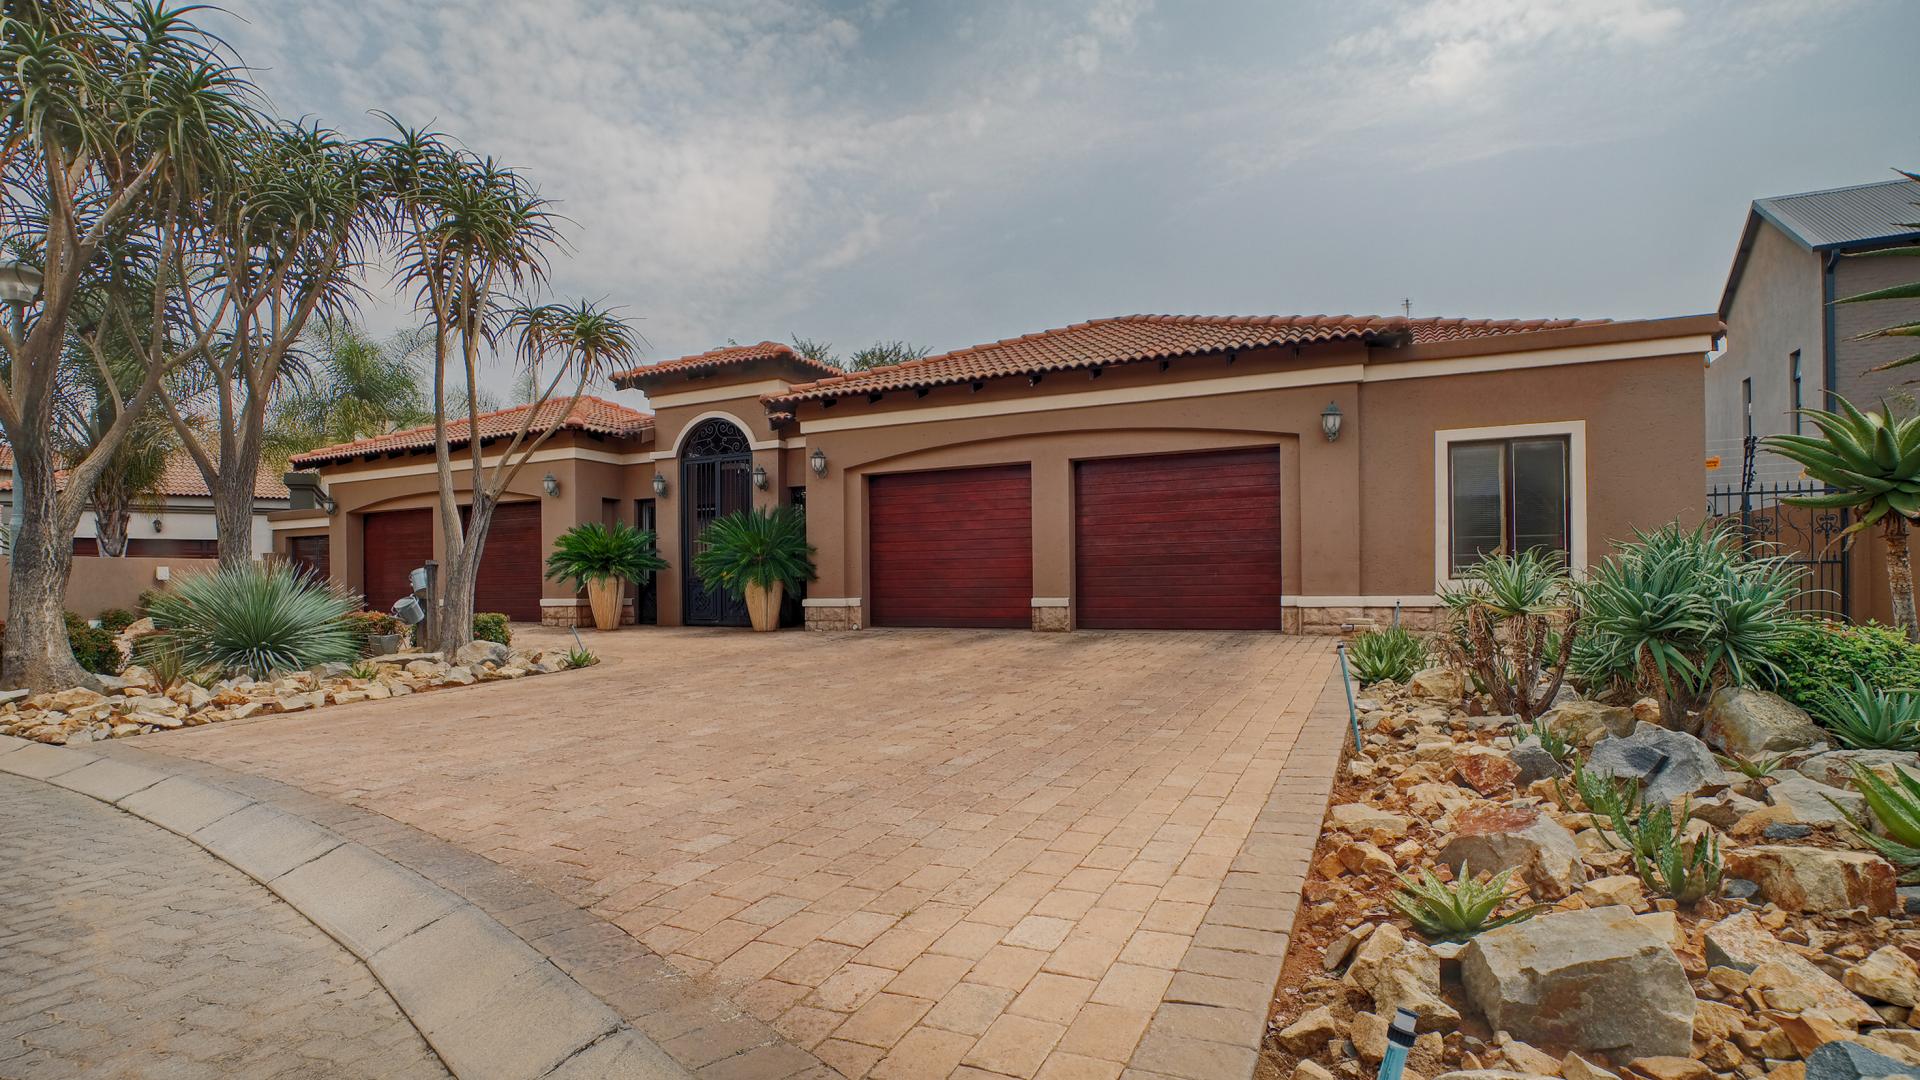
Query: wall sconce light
x=550, y=485
x=760, y=477
x=1330, y=420
x=660, y=484
x=156, y=524
x=818, y=461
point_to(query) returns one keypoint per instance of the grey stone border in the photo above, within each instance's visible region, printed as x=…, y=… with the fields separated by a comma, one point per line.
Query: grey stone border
x=1213, y=1017
x=495, y=1004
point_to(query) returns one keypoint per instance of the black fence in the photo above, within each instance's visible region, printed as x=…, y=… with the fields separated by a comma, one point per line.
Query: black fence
x=1809, y=537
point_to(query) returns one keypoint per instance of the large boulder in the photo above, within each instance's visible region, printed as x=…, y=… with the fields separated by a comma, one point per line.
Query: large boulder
x=1586, y=722
x=1523, y=839
x=1437, y=684
x=1752, y=723
x=1810, y=802
x=1799, y=878
x=1590, y=981
x=1668, y=764
x=1835, y=767
x=1741, y=943
x=475, y=653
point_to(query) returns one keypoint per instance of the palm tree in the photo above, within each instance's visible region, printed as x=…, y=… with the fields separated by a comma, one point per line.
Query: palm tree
x=1908, y=291
x=351, y=387
x=1871, y=464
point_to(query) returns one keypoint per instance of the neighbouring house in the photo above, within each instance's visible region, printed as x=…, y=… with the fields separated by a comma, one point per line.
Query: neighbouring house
x=1789, y=346
x=176, y=519
x=1173, y=472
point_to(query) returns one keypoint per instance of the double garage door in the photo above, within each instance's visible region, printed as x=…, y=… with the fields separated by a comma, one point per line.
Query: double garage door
x=397, y=541
x=1172, y=542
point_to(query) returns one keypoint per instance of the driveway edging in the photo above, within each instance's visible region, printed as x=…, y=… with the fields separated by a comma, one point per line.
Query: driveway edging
x=526, y=1020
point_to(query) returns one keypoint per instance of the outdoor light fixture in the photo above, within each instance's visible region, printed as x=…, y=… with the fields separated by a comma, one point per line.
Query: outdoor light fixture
x=760, y=477
x=156, y=524
x=1330, y=420
x=818, y=460
x=550, y=485
x=660, y=484
x=19, y=283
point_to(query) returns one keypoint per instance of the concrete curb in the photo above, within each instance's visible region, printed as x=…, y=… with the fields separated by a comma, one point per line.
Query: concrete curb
x=490, y=1005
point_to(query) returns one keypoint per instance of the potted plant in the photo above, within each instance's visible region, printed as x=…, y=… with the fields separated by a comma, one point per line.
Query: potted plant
x=757, y=555
x=599, y=558
x=380, y=633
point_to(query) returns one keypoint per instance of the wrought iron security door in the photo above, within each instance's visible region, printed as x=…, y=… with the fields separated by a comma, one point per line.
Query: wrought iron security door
x=716, y=467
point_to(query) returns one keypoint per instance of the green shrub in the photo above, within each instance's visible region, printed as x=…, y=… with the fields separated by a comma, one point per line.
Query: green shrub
x=1456, y=911
x=258, y=618
x=594, y=552
x=755, y=547
x=1866, y=718
x=1680, y=611
x=369, y=624
x=492, y=626
x=92, y=646
x=1394, y=653
x=114, y=620
x=144, y=602
x=1820, y=659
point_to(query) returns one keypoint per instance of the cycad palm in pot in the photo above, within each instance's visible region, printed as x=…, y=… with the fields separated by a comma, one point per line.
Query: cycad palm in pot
x=599, y=558
x=757, y=555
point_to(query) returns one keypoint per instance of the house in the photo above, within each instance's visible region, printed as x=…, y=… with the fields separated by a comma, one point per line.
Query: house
x=176, y=519
x=1290, y=473
x=1790, y=346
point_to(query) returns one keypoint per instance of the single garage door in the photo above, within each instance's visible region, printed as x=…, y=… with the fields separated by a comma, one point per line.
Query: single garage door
x=952, y=548
x=1179, y=542
x=392, y=545
x=510, y=564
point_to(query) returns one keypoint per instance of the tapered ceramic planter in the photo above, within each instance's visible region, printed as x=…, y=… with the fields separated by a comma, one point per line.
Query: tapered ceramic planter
x=763, y=606
x=604, y=598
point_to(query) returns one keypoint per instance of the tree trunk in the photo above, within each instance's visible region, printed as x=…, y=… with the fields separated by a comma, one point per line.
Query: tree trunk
x=1900, y=574
x=110, y=519
x=233, y=517
x=38, y=654
x=453, y=622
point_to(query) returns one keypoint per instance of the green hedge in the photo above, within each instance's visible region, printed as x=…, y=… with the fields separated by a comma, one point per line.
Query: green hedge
x=92, y=646
x=1821, y=659
x=492, y=626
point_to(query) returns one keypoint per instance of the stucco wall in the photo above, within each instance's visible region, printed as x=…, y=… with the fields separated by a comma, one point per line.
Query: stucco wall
x=96, y=584
x=1855, y=274
x=1776, y=309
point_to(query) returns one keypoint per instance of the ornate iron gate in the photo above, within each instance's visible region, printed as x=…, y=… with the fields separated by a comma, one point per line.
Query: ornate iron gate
x=716, y=469
x=1808, y=537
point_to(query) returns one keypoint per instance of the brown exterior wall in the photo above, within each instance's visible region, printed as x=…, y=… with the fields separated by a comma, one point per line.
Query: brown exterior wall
x=96, y=584
x=1775, y=310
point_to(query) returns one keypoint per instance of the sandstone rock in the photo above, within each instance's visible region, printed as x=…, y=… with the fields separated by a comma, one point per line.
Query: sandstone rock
x=1587, y=722
x=1668, y=764
x=1754, y=723
x=1851, y=1061
x=1575, y=1067
x=1521, y=838
x=1810, y=879
x=1309, y=1070
x=1311, y=1032
x=1342, y=947
x=1437, y=800
x=1712, y=1020
x=158, y=720
x=1524, y=1057
x=1835, y=767
x=457, y=676
x=475, y=653
x=1490, y=1074
x=1807, y=800
x=1671, y=1068
x=74, y=698
x=1742, y=943
x=1365, y=859
x=422, y=667
x=1380, y=944
x=1888, y=975
x=1622, y=889
x=1484, y=769
x=1725, y=810
x=1368, y=1033
x=1410, y=979
x=1588, y=980
x=1437, y=684
x=1363, y=820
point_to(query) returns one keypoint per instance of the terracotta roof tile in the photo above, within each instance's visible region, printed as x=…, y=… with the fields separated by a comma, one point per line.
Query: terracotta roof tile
x=595, y=415
x=724, y=357
x=1130, y=338
x=182, y=478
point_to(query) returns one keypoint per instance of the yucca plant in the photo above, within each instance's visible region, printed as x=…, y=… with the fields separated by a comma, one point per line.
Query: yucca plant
x=1896, y=807
x=163, y=658
x=1391, y=654
x=1870, y=463
x=1501, y=629
x=755, y=554
x=598, y=558
x=257, y=618
x=1864, y=718
x=1456, y=910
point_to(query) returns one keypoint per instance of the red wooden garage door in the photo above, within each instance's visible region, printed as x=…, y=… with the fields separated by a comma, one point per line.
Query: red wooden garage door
x=510, y=564
x=393, y=544
x=951, y=548
x=1179, y=542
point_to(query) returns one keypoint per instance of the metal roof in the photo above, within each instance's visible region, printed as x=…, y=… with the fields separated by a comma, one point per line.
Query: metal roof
x=1842, y=217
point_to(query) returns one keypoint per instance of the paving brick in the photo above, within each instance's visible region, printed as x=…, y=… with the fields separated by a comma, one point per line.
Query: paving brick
x=1015, y=1045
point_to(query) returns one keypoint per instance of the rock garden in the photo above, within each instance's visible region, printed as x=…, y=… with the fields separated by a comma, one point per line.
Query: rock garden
x=1651, y=824
x=251, y=642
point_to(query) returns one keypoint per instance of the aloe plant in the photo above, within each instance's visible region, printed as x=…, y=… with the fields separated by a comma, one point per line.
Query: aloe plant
x=1668, y=863
x=1456, y=910
x=1896, y=807
x=1757, y=768
x=1391, y=654
x=1864, y=718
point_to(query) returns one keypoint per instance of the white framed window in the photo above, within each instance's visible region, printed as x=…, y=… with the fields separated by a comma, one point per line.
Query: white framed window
x=1508, y=489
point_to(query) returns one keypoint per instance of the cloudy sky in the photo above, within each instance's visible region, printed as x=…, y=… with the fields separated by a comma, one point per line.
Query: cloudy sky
x=952, y=173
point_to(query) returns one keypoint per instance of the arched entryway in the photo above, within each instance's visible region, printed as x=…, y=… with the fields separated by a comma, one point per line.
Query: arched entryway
x=716, y=470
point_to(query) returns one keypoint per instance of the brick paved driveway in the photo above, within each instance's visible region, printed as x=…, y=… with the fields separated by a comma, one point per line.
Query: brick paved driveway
x=127, y=951
x=915, y=853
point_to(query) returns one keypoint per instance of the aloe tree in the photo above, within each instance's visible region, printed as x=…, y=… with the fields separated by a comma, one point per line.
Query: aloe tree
x=116, y=121
x=1870, y=463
